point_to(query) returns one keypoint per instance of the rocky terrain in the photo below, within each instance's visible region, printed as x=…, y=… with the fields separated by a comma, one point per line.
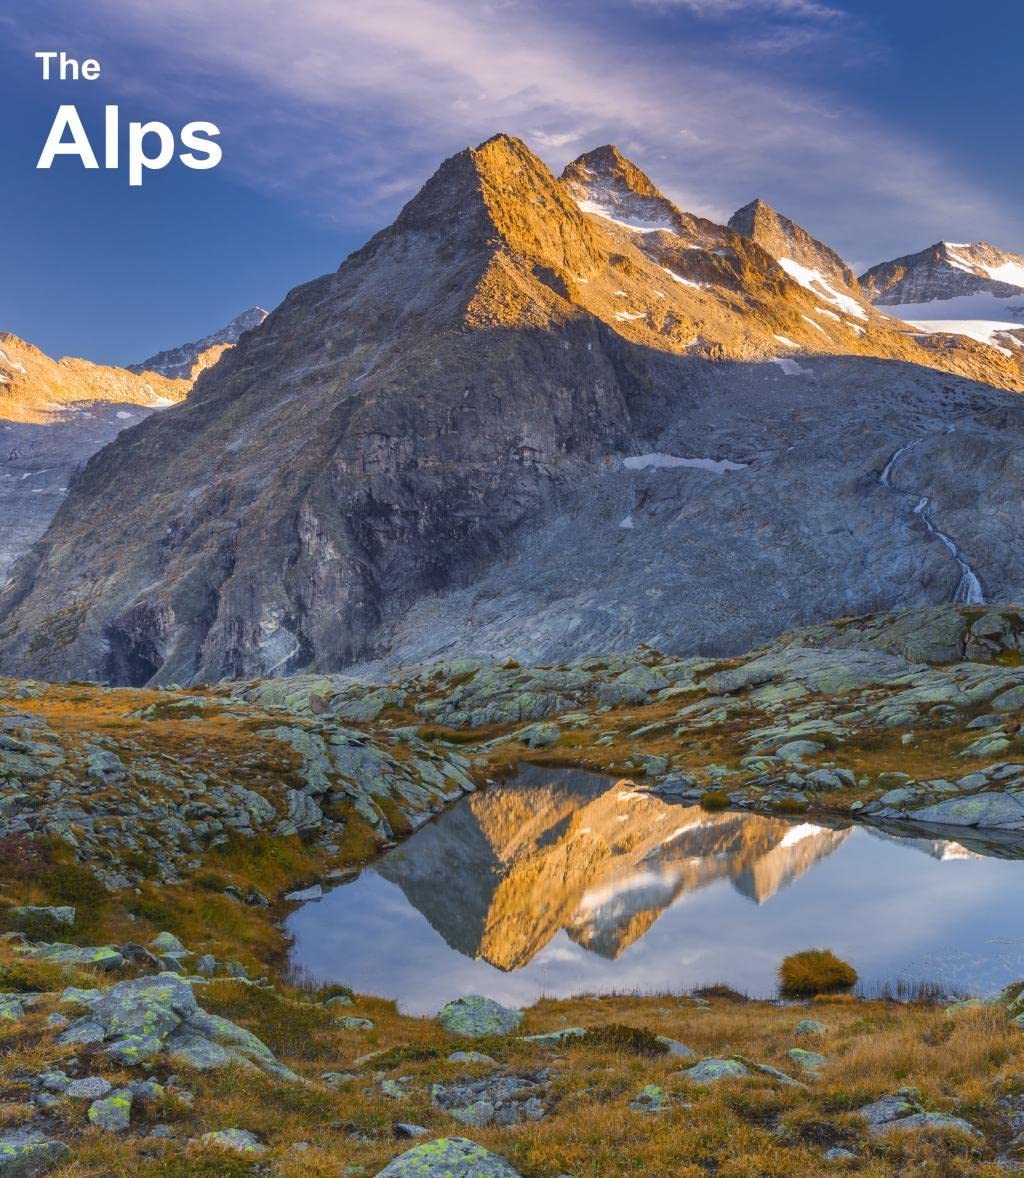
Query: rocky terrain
x=186, y=361
x=519, y=362
x=152, y=838
x=55, y=414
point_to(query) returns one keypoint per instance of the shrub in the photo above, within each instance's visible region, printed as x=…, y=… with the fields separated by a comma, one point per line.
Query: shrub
x=616, y=1037
x=814, y=971
x=720, y=990
x=714, y=799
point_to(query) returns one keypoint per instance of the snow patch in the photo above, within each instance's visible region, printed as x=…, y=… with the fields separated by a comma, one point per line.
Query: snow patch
x=630, y=314
x=985, y=331
x=814, y=280
x=613, y=214
x=661, y=461
x=627, y=522
x=797, y=834
x=680, y=279
x=788, y=342
x=817, y=326
x=790, y=367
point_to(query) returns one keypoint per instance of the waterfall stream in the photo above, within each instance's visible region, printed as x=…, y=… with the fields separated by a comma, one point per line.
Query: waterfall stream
x=968, y=590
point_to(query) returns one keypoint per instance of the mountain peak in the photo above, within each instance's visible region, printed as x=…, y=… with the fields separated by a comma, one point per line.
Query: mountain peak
x=186, y=361
x=605, y=183
x=946, y=270
x=789, y=243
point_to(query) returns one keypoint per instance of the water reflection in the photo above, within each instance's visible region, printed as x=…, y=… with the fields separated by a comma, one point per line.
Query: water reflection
x=564, y=881
x=573, y=851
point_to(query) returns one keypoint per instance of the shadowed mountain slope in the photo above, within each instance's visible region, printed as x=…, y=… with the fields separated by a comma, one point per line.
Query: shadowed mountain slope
x=518, y=371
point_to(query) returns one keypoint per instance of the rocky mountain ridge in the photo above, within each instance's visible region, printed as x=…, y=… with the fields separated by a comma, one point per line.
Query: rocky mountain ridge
x=946, y=270
x=389, y=465
x=186, y=361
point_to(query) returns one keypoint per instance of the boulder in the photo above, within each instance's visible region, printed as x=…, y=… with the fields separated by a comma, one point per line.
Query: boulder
x=474, y=1016
x=448, y=1157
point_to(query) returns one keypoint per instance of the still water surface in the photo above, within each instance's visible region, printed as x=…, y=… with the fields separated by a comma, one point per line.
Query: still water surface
x=561, y=882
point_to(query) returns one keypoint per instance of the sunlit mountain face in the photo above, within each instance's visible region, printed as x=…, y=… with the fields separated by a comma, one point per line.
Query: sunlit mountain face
x=573, y=851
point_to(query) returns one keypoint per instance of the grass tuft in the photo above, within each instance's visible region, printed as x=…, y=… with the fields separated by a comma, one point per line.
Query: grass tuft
x=815, y=971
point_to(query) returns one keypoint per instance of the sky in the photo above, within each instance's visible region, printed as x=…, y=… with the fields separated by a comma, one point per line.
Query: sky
x=880, y=125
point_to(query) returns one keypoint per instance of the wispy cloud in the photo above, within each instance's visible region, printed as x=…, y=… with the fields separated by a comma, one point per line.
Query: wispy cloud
x=348, y=107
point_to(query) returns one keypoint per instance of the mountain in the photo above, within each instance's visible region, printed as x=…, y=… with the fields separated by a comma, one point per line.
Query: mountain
x=946, y=270
x=54, y=415
x=802, y=256
x=956, y=290
x=534, y=415
x=186, y=361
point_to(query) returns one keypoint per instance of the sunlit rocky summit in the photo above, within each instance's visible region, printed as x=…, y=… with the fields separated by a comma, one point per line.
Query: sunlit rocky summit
x=534, y=417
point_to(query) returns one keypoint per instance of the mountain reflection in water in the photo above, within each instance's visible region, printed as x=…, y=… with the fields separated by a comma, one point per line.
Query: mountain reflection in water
x=560, y=881
x=574, y=851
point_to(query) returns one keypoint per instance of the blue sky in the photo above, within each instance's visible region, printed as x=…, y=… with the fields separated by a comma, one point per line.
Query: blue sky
x=881, y=125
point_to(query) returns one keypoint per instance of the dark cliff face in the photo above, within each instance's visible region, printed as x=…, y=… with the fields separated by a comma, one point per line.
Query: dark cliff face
x=456, y=400
x=364, y=448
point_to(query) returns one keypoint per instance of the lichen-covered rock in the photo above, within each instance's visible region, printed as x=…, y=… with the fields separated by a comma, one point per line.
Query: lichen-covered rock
x=113, y=1113
x=652, y=1098
x=709, y=1071
x=59, y=914
x=105, y=957
x=448, y=1157
x=24, y=1153
x=808, y=1061
x=474, y=1016
x=498, y=1099
x=238, y=1140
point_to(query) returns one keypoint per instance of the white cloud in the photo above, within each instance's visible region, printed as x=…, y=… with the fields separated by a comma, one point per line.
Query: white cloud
x=349, y=106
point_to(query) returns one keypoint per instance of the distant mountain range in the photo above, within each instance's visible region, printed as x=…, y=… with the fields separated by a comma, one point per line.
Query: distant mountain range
x=55, y=414
x=539, y=415
x=186, y=361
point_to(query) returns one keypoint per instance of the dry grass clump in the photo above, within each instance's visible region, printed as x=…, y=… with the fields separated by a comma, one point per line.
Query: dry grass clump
x=815, y=971
x=714, y=799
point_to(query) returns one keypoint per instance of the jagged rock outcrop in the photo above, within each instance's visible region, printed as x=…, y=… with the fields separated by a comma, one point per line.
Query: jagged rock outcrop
x=186, y=361
x=507, y=394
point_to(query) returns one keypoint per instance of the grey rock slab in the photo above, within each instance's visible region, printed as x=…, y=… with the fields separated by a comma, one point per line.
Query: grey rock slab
x=236, y=1140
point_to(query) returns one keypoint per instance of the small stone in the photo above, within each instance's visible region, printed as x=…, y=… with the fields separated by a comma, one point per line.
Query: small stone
x=837, y=1154
x=407, y=1129
x=304, y=894
x=652, y=1098
x=353, y=1023
x=113, y=1113
x=675, y=1048
x=336, y=1079
x=472, y=1057
x=89, y=1088
x=239, y=1140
